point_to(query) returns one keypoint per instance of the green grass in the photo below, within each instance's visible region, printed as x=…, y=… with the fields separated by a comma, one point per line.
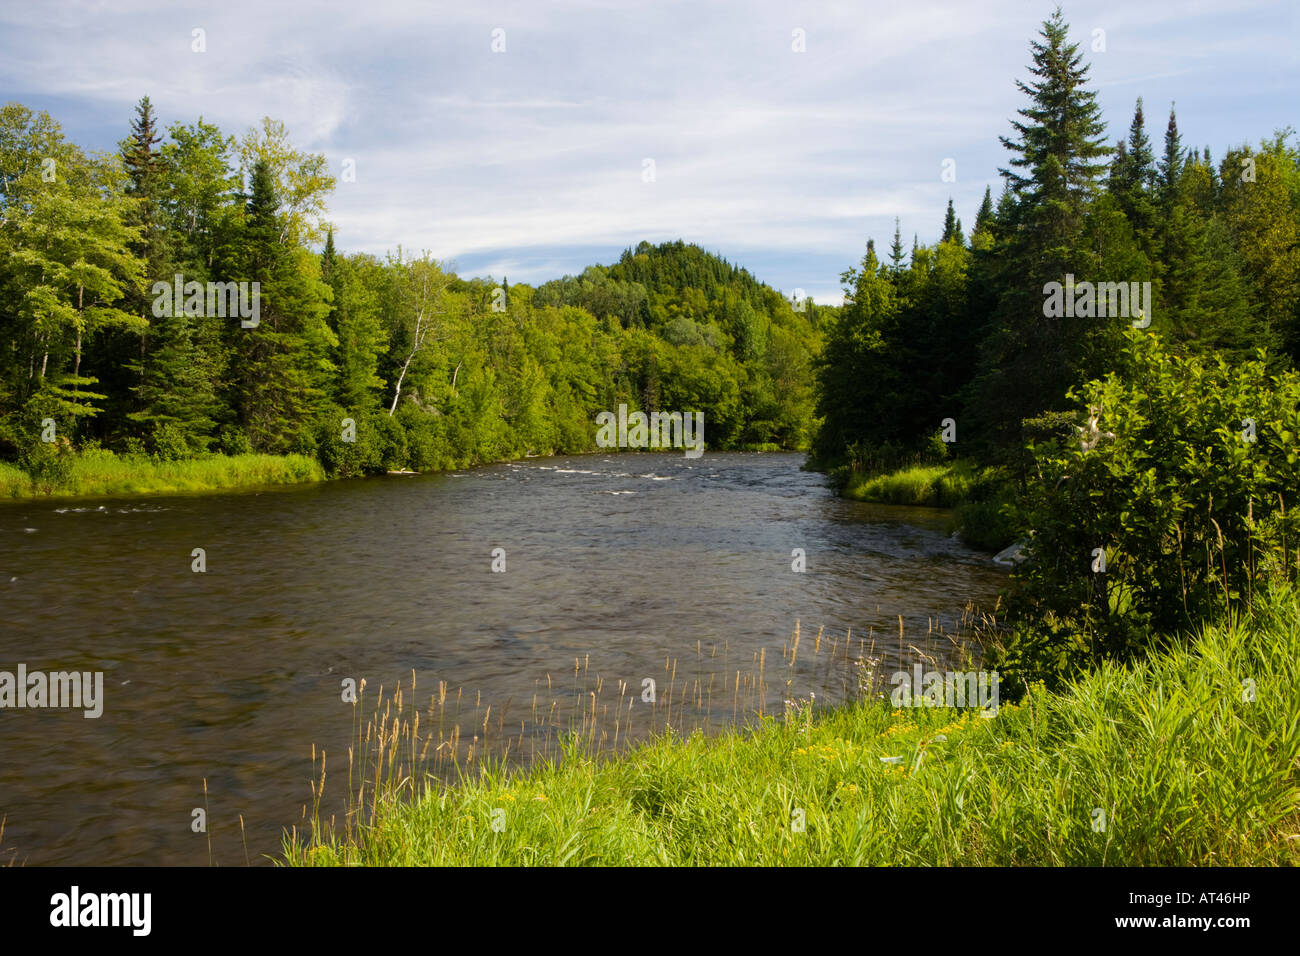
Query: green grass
x=980, y=498
x=940, y=486
x=1186, y=771
x=14, y=482
x=103, y=473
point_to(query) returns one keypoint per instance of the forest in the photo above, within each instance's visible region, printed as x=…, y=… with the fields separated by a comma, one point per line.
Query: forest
x=368, y=364
x=1145, y=465
x=1050, y=454
x=1102, y=369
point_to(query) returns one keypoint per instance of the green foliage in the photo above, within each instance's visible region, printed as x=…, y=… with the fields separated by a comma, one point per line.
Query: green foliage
x=1161, y=475
x=436, y=370
x=48, y=465
x=97, y=471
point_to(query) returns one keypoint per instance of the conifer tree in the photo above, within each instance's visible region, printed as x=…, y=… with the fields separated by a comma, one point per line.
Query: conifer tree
x=1029, y=361
x=1132, y=181
x=951, y=225
x=1171, y=164
x=896, y=251
x=984, y=218
x=281, y=364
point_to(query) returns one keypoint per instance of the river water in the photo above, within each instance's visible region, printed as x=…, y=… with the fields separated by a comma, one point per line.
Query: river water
x=638, y=567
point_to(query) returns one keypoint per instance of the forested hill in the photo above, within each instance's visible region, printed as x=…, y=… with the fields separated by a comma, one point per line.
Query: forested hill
x=432, y=370
x=717, y=337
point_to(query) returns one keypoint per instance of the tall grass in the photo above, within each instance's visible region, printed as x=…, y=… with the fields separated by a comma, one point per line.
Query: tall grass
x=99, y=472
x=1191, y=757
x=940, y=486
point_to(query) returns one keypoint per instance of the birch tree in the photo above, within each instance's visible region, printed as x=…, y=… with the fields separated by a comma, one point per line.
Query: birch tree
x=422, y=286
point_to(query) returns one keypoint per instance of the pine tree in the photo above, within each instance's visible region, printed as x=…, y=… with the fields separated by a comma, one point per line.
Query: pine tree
x=147, y=187
x=859, y=372
x=282, y=364
x=332, y=276
x=354, y=318
x=1132, y=181
x=896, y=251
x=1060, y=145
x=123, y=363
x=1171, y=164
x=984, y=219
x=1028, y=362
x=951, y=225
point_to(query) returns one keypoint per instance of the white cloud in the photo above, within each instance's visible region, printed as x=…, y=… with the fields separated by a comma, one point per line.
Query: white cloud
x=480, y=156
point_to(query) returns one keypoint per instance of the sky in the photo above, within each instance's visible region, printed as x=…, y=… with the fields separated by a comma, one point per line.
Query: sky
x=532, y=139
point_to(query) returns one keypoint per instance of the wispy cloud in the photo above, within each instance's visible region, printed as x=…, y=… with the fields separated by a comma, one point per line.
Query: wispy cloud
x=529, y=162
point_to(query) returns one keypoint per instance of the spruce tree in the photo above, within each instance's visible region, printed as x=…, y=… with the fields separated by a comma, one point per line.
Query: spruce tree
x=125, y=353
x=951, y=225
x=896, y=251
x=859, y=372
x=1059, y=145
x=984, y=217
x=282, y=364
x=1029, y=361
x=1132, y=181
x=1171, y=164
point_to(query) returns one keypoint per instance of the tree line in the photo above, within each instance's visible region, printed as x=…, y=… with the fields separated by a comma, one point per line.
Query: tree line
x=958, y=330
x=367, y=362
x=1111, y=357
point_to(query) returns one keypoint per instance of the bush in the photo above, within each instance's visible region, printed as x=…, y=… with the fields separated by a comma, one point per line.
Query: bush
x=423, y=439
x=232, y=441
x=372, y=444
x=1164, y=481
x=169, y=442
x=48, y=464
x=988, y=518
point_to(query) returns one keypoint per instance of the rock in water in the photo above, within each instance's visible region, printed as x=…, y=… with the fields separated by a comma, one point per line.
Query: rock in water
x=1013, y=554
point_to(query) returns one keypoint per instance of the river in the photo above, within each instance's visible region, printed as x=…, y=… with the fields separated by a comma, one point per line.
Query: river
x=637, y=566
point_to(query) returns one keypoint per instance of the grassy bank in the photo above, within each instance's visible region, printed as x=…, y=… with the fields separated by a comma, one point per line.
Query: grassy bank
x=1184, y=768
x=981, y=499
x=104, y=473
x=939, y=486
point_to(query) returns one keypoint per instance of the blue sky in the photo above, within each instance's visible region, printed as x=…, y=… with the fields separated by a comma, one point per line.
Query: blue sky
x=529, y=162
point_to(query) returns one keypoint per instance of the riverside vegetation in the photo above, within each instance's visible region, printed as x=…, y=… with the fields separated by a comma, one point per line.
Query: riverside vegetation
x=364, y=364
x=1147, y=646
x=1164, y=762
x=1148, y=643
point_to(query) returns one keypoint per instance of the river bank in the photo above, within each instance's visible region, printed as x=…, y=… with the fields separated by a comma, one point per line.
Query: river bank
x=1165, y=762
x=982, y=500
x=646, y=566
x=99, y=472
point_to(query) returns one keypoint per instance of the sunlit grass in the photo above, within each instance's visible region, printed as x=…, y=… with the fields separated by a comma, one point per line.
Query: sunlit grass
x=1189, y=758
x=103, y=473
x=14, y=482
x=941, y=486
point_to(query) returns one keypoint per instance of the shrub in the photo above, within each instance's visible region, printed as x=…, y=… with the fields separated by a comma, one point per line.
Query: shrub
x=232, y=441
x=48, y=464
x=1165, y=482
x=988, y=517
x=373, y=444
x=423, y=438
x=169, y=442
